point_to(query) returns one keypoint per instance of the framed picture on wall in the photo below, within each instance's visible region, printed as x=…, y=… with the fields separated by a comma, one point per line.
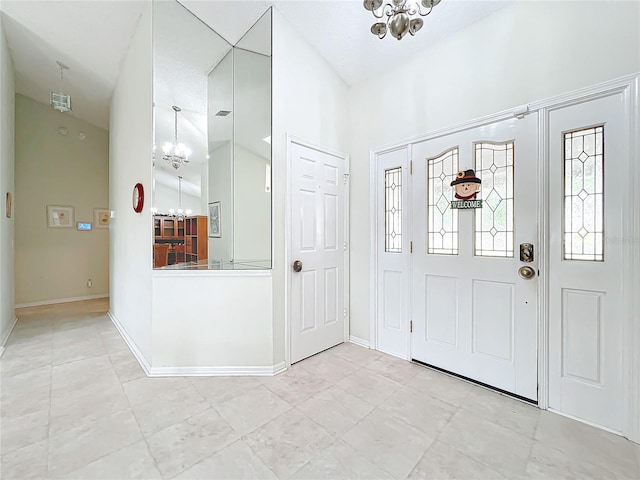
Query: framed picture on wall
x=215, y=217
x=60, y=216
x=101, y=217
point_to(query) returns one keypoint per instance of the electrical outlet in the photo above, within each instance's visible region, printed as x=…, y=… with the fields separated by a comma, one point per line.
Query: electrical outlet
x=89, y=283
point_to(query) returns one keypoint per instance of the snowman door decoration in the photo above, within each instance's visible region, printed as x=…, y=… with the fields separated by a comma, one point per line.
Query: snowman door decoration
x=466, y=186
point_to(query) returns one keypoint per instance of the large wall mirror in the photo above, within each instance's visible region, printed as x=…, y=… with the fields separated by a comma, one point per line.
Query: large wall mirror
x=212, y=151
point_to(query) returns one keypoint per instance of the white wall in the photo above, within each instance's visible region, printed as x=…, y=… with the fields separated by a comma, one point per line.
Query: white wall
x=211, y=319
x=310, y=102
x=54, y=264
x=522, y=53
x=7, y=96
x=251, y=207
x=130, y=162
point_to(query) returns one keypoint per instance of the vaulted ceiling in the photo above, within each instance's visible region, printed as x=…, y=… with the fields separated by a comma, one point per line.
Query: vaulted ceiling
x=92, y=37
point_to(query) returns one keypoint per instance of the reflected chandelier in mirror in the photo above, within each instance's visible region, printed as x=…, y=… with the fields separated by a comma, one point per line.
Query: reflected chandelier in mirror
x=224, y=97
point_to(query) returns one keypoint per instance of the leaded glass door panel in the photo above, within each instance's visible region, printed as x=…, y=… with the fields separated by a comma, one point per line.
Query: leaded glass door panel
x=393, y=252
x=472, y=313
x=588, y=166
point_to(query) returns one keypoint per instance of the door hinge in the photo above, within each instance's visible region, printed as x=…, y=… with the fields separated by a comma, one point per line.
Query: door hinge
x=411, y=247
x=345, y=178
x=411, y=326
x=410, y=167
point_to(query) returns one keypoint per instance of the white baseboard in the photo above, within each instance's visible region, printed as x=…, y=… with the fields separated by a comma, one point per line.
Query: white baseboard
x=359, y=341
x=231, y=371
x=279, y=368
x=131, y=344
x=6, y=336
x=62, y=300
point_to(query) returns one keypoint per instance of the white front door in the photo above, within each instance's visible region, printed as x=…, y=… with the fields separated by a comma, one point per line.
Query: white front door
x=473, y=314
x=318, y=243
x=393, y=235
x=588, y=168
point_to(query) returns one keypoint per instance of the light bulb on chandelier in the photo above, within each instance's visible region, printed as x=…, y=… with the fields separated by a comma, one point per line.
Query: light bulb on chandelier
x=176, y=154
x=399, y=16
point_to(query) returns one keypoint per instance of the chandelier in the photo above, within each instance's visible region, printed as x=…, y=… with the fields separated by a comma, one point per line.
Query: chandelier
x=399, y=16
x=176, y=154
x=179, y=214
x=58, y=100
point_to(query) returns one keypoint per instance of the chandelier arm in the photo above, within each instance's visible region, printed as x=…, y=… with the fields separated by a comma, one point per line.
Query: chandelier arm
x=418, y=10
x=383, y=11
x=386, y=30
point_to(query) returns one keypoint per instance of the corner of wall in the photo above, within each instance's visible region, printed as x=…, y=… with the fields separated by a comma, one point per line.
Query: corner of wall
x=7, y=185
x=130, y=162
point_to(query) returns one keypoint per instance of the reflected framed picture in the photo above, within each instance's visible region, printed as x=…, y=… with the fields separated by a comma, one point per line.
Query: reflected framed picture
x=101, y=218
x=60, y=216
x=215, y=217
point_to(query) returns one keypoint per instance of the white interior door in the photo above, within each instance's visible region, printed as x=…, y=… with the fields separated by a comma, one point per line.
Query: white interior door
x=318, y=242
x=588, y=166
x=393, y=235
x=473, y=314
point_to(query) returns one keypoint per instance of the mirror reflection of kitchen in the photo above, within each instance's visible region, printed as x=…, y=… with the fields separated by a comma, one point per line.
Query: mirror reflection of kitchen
x=212, y=150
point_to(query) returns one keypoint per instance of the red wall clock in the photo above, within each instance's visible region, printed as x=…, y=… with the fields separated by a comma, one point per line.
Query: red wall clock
x=138, y=197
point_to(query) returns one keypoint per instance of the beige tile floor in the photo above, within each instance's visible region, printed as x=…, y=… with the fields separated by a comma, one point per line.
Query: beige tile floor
x=75, y=404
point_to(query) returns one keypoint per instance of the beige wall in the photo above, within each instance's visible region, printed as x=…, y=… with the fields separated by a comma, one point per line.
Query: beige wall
x=7, y=96
x=54, y=264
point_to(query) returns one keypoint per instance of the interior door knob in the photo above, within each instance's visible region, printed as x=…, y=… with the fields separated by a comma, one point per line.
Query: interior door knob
x=526, y=272
x=297, y=266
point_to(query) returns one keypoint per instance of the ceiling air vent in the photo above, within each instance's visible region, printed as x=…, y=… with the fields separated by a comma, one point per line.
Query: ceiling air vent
x=223, y=113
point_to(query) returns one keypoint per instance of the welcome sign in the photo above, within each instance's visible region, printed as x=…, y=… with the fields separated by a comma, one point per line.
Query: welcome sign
x=466, y=186
x=466, y=204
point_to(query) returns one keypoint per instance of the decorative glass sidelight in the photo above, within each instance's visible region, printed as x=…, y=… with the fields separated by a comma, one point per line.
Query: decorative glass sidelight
x=583, y=228
x=442, y=221
x=393, y=210
x=494, y=222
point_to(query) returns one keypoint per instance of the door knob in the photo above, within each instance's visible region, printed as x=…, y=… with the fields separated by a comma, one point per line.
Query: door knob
x=526, y=272
x=297, y=266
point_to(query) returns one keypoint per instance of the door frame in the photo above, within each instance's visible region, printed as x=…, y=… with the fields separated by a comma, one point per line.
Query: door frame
x=374, y=181
x=629, y=86
x=291, y=140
